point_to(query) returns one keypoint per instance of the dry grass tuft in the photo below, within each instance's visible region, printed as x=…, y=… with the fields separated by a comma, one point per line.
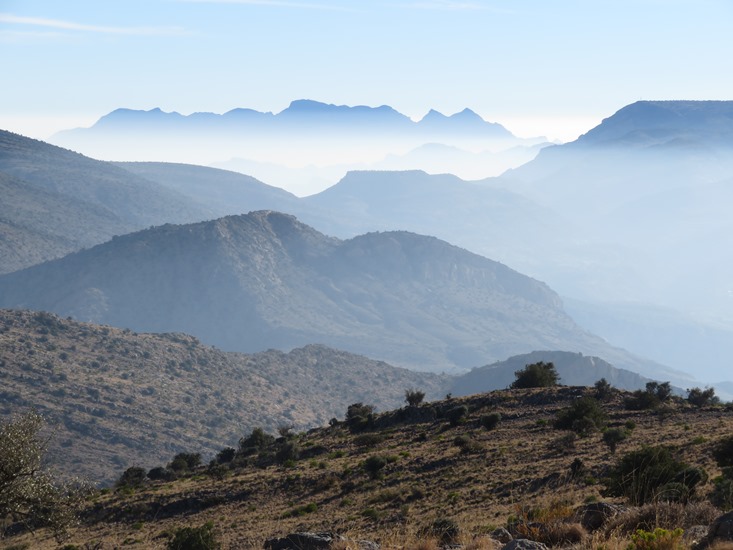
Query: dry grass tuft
x=665, y=515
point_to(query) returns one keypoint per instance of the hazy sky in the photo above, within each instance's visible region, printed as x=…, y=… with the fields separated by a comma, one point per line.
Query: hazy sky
x=552, y=67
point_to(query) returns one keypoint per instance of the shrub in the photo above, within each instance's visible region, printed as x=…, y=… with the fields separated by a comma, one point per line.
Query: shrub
x=184, y=462
x=374, y=466
x=444, y=529
x=659, y=539
x=641, y=475
x=490, y=421
x=650, y=398
x=368, y=440
x=29, y=492
x=722, y=495
x=536, y=375
x=225, y=455
x=414, y=397
x=604, y=390
x=583, y=416
x=256, y=441
x=194, y=538
x=723, y=452
x=288, y=451
x=160, y=474
x=613, y=436
x=132, y=477
x=359, y=416
x=702, y=398
x=457, y=415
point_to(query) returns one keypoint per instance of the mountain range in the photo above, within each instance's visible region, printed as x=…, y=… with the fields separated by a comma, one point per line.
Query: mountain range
x=262, y=280
x=306, y=138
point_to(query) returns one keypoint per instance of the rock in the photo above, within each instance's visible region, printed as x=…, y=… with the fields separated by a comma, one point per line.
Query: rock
x=302, y=541
x=593, y=516
x=524, y=544
x=502, y=535
x=722, y=528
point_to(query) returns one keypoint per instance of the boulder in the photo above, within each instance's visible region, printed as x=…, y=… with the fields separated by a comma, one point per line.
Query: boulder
x=722, y=528
x=593, y=516
x=502, y=535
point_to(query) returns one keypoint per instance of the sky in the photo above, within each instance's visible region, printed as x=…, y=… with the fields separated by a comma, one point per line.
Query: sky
x=540, y=67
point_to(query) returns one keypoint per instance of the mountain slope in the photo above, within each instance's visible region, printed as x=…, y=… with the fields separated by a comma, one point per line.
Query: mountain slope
x=56, y=201
x=112, y=395
x=220, y=191
x=264, y=280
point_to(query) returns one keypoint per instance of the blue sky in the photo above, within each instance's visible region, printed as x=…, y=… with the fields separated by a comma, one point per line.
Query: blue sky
x=553, y=67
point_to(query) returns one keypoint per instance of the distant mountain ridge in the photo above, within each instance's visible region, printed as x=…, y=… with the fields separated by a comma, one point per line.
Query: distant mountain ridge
x=303, y=112
x=265, y=280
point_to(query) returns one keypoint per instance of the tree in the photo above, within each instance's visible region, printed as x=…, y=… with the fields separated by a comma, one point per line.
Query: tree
x=536, y=375
x=604, y=390
x=702, y=398
x=29, y=492
x=414, y=397
x=613, y=436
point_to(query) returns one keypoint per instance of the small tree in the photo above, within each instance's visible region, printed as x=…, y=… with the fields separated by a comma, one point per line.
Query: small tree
x=612, y=437
x=702, y=398
x=134, y=476
x=29, y=492
x=583, y=416
x=257, y=441
x=414, y=397
x=536, y=375
x=604, y=390
x=359, y=416
x=374, y=466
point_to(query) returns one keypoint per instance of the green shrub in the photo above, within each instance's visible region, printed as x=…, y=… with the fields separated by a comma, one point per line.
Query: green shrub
x=359, y=416
x=255, y=442
x=490, y=421
x=583, y=416
x=161, y=474
x=413, y=398
x=659, y=539
x=226, y=455
x=184, y=462
x=723, y=452
x=613, y=436
x=536, y=375
x=374, y=466
x=604, y=390
x=702, y=398
x=133, y=477
x=655, y=394
x=194, y=538
x=641, y=475
x=457, y=415
x=722, y=495
x=368, y=440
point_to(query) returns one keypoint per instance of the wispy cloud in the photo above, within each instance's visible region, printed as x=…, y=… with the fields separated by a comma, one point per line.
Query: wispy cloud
x=454, y=5
x=80, y=27
x=275, y=4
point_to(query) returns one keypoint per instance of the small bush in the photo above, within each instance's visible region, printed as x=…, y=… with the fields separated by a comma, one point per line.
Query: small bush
x=444, y=529
x=414, y=397
x=641, y=475
x=374, y=466
x=134, y=476
x=655, y=394
x=702, y=398
x=490, y=421
x=536, y=375
x=722, y=495
x=255, y=442
x=161, y=474
x=359, y=416
x=226, y=455
x=659, y=539
x=195, y=538
x=583, y=416
x=612, y=437
x=457, y=415
x=723, y=452
x=604, y=390
x=368, y=440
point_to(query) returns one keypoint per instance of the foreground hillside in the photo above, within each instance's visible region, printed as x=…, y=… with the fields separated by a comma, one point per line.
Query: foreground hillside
x=114, y=398
x=392, y=478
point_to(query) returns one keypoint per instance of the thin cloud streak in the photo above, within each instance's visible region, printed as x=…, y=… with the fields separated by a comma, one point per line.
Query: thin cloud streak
x=454, y=5
x=72, y=26
x=274, y=4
